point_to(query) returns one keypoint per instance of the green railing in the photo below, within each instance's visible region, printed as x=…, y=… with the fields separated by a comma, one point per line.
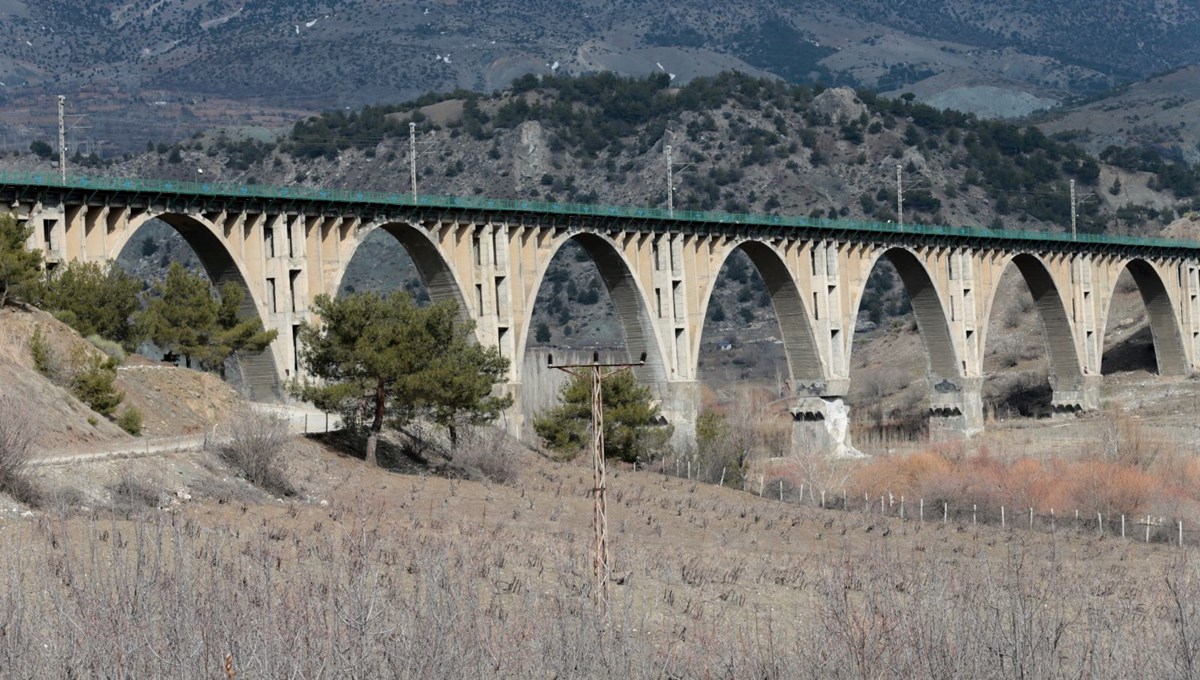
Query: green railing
x=351, y=196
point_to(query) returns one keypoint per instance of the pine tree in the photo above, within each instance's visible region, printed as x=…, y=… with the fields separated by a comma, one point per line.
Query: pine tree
x=183, y=317
x=630, y=419
x=92, y=299
x=19, y=268
x=386, y=360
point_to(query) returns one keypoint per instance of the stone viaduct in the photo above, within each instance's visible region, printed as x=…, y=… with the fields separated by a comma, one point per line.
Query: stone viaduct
x=287, y=245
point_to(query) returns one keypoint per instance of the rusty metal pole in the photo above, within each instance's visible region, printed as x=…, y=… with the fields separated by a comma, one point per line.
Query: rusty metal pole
x=600, y=566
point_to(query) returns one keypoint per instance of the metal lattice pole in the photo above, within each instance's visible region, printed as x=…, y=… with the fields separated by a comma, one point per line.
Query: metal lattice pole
x=412, y=158
x=601, y=566
x=62, y=136
x=600, y=562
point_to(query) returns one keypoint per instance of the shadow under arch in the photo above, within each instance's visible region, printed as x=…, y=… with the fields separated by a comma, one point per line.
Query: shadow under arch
x=799, y=344
x=1061, y=352
x=942, y=359
x=260, y=374
x=630, y=305
x=431, y=264
x=1165, y=330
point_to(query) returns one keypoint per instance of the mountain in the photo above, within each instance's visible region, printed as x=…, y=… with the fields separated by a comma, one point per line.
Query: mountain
x=145, y=69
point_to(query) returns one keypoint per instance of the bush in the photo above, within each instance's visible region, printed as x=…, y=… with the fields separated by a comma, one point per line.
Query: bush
x=489, y=451
x=112, y=349
x=131, y=493
x=93, y=384
x=45, y=360
x=255, y=450
x=130, y=420
x=16, y=452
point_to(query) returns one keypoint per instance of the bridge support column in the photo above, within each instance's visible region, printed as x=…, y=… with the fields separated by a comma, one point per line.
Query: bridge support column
x=822, y=425
x=513, y=419
x=956, y=408
x=680, y=407
x=1075, y=394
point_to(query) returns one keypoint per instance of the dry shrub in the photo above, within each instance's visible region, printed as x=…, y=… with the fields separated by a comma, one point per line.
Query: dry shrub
x=16, y=452
x=132, y=493
x=255, y=448
x=1091, y=486
x=490, y=452
x=1110, y=489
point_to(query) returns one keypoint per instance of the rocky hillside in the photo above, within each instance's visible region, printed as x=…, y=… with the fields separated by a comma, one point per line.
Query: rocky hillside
x=142, y=69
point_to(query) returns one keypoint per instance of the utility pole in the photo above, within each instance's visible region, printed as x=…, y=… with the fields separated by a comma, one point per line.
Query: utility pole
x=1072, y=210
x=595, y=372
x=899, y=197
x=670, y=182
x=62, y=136
x=412, y=158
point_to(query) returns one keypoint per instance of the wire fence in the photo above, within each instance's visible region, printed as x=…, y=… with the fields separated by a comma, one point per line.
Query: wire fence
x=185, y=189
x=1147, y=528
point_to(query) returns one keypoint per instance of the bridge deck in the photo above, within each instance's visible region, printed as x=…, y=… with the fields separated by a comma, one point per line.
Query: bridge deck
x=679, y=219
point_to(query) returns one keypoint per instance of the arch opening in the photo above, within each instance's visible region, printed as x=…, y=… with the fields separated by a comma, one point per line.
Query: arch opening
x=888, y=368
x=585, y=300
x=756, y=348
x=171, y=237
x=1142, y=331
x=1017, y=352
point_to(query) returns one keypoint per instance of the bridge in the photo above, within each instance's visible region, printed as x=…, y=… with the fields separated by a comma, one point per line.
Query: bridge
x=285, y=245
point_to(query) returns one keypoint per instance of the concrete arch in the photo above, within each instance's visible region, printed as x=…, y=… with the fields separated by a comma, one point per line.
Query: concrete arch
x=1165, y=328
x=943, y=358
x=1061, y=347
x=433, y=266
x=260, y=372
x=805, y=363
x=630, y=303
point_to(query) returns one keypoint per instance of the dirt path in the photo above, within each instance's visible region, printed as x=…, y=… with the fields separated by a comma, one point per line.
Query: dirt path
x=301, y=420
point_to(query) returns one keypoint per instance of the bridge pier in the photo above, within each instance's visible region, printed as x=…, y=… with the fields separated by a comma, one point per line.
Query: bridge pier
x=821, y=424
x=956, y=408
x=680, y=407
x=1075, y=394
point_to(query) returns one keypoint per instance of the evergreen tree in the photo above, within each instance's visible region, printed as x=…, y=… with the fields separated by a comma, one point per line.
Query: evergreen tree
x=630, y=417
x=384, y=359
x=19, y=268
x=92, y=299
x=183, y=317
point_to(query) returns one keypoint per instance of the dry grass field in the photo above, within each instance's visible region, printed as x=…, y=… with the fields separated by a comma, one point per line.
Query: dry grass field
x=368, y=573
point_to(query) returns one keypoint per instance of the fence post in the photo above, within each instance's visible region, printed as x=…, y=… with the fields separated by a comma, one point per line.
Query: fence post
x=1001, y=516
x=1122, y=527
x=780, y=486
x=882, y=511
x=974, y=514
x=801, y=494
x=723, y=476
x=922, y=510
x=1051, y=520
x=1147, y=528
x=1031, y=519
x=902, y=507
x=822, y=499
x=1100, y=519
x=945, y=512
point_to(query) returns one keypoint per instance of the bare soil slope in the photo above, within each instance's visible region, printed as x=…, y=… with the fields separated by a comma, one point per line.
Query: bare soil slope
x=173, y=401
